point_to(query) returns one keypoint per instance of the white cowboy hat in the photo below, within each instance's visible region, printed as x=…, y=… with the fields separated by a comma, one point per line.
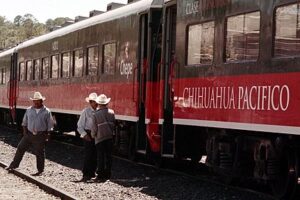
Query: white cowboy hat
x=37, y=96
x=102, y=99
x=92, y=97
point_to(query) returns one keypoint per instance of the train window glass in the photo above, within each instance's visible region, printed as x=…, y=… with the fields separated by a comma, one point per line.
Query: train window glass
x=1, y=76
x=54, y=66
x=92, y=60
x=109, y=58
x=45, y=68
x=242, y=38
x=22, y=72
x=7, y=76
x=201, y=43
x=66, y=63
x=29, y=70
x=78, y=63
x=287, y=35
x=36, y=69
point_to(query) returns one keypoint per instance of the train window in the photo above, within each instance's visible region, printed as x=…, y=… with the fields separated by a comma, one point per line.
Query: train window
x=36, y=69
x=1, y=76
x=7, y=76
x=109, y=58
x=92, y=60
x=54, y=66
x=66, y=63
x=45, y=68
x=29, y=70
x=287, y=34
x=22, y=72
x=242, y=38
x=201, y=43
x=78, y=63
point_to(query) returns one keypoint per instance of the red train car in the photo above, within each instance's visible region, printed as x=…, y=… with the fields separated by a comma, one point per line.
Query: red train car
x=189, y=78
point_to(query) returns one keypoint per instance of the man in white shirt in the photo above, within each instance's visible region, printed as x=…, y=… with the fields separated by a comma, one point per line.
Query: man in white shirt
x=84, y=126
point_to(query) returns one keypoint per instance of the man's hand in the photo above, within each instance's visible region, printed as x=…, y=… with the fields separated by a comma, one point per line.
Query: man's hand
x=87, y=138
x=25, y=130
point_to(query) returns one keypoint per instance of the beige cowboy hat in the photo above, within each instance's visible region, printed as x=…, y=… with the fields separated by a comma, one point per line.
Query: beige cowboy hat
x=102, y=99
x=37, y=96
x=92, y=97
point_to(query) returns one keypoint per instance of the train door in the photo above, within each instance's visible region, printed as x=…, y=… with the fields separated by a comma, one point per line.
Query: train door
x=148, y=138
x=12, y=91
x=169, y=42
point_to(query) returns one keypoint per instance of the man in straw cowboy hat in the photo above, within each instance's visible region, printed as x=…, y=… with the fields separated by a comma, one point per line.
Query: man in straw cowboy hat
x=84, y=128
x=103, y=130
x=37, y=122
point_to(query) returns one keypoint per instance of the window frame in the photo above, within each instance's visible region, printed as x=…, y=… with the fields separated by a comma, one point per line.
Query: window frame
x=274, y=31
x=26, y=63
x=73, y=62
x=34, y=68
x=51, y=66
x=70, y=67
x=103, y=57
x=87, y=59
x=19, y=76
x=42, y=67
x=225, y=38
x=187, y=44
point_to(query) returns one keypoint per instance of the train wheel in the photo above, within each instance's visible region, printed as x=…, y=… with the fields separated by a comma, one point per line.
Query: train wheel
x=286, y=184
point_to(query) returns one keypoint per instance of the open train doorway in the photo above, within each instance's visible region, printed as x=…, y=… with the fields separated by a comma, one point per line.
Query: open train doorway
x=148, y=138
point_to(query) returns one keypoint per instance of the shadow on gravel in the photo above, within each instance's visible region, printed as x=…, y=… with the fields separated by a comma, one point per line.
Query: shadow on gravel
x=161, y=185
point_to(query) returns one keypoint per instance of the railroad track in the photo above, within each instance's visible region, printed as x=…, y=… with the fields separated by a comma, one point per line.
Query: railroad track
x=44, y=186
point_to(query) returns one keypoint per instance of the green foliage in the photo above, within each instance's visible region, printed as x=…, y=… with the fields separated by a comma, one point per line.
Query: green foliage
x=23, y=28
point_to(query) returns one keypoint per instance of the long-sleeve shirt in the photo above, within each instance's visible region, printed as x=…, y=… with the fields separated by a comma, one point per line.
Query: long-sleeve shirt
x=103, y=125
x=40, y=121
x=85, y=121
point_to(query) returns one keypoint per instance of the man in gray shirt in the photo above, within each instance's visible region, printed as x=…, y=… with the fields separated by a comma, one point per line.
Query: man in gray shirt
x=37, y=122
x=103, y=130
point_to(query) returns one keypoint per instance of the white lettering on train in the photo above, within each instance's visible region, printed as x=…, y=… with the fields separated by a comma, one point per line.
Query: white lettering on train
x=265, y=97
x=126, y=68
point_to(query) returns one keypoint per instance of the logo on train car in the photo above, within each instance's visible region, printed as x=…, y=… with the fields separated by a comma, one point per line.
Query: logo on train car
x=126, y=64
x=203, y=5
x=259, y=97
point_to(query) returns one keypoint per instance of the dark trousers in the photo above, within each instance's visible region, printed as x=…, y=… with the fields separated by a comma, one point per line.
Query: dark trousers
x=90, y=159
x=104, y=158
x=37, y=142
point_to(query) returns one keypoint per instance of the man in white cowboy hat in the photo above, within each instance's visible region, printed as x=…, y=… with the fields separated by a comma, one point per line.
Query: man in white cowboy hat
x=84, y=126
x=103, y=130
x=37, y=123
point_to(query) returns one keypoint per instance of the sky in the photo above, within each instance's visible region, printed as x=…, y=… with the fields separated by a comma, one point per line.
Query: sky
x=46, y=9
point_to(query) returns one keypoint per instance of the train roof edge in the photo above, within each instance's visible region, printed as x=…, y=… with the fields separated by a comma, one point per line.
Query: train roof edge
x=126, y=10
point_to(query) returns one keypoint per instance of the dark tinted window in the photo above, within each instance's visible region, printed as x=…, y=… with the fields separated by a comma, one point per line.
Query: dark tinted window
x=29, y=70
x=201, y=43
x=66, y=63
x=54, y=66
x=45, y=68
x=92, y=60
x=287, y=35
x=78, y=63
x=36, y=68
x=242, y=38
x=22, y=72
x=109, y=58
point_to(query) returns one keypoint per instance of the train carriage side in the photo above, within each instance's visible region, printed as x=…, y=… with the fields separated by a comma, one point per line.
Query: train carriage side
x=8, y=91
x=236, y=89
x=100, y=55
